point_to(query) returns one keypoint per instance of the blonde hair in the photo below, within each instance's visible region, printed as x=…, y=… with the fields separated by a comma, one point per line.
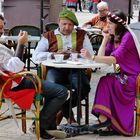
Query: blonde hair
x=102, y=4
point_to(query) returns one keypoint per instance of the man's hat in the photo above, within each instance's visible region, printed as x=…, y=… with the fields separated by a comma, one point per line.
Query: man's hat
x=69, y=15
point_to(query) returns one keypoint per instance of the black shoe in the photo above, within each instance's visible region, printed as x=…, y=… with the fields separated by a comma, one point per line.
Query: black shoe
x=107, y=133
x=94, y=127
x=44, y=135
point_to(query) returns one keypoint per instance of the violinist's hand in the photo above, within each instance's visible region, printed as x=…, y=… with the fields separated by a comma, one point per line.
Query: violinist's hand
x=85, y=54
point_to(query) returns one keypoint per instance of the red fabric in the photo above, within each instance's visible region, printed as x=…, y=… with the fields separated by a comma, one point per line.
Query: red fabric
x=95, y=1
x=71, y=0
x=5, y=78
x=23, y=98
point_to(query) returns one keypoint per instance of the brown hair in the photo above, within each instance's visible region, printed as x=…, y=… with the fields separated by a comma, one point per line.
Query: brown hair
x=120, y=28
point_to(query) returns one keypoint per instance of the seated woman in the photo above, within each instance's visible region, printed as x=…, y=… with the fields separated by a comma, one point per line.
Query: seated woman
x=115, y=95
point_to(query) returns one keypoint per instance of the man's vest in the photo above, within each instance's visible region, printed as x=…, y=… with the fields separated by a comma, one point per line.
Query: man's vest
x=55, y=41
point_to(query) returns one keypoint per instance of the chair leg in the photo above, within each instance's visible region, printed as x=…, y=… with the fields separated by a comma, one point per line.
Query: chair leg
x=86, y=105
x=37, y=121
x=37, y=129
x=87, y=110
x=23, y=121
x=137, y=127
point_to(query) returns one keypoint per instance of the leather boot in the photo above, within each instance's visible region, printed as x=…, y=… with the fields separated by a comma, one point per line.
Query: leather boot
x=59, y=117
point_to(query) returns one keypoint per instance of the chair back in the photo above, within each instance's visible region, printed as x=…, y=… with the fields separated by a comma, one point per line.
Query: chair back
x=32, y=30
x=51, y=26
x=96, y=40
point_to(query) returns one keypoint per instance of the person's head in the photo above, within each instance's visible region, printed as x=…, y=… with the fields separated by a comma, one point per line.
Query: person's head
x=2, y=23
x=102, y=8
x=116, y=23
x=67, y=20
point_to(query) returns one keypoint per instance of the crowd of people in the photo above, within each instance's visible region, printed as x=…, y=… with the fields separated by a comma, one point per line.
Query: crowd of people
x=115, y=94
x=90, y=5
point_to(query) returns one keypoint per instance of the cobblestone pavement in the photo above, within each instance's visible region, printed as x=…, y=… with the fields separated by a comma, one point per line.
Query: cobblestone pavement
x=9, y=131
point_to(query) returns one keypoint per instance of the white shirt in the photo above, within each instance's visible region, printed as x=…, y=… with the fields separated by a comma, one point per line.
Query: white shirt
x=8, y=62
x=13, y=65
x=41, y=52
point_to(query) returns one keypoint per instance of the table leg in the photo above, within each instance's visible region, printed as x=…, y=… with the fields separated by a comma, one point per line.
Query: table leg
x=70, y=105
x=79, y=98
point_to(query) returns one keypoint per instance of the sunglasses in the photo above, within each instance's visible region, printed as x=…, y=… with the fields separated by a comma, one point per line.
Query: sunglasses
x=101, y=11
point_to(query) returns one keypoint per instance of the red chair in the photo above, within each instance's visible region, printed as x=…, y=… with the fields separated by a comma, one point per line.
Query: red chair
x=22, y=99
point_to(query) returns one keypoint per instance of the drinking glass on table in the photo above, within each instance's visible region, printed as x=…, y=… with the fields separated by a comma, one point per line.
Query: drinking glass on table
x=74, y=56
x=59, y=57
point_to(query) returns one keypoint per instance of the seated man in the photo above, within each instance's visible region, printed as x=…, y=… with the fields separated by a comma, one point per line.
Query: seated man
x=100, y=20
x=54, y=94
x=71, y=39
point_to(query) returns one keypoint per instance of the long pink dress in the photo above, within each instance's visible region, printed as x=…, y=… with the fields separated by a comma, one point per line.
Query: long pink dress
x=115, y=95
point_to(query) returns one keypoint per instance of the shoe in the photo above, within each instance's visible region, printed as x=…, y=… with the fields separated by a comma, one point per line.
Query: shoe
x=94, y=127
x=32, y=129
x=59, y=117
x=57, y=134
x=45, y=136
x=107, y=133
x=74, y=129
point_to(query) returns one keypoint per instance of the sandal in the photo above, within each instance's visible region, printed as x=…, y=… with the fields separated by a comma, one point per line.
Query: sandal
x=107, y=133
x=100, y=125
x=74, y=129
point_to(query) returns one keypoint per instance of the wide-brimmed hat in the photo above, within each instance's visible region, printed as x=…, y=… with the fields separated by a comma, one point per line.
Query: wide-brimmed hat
x=69, y=15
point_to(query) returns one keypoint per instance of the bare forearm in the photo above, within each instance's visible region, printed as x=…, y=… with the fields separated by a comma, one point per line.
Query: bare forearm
x=22, y=40
x=19, y=51
x=101, y=51
x=105, y=59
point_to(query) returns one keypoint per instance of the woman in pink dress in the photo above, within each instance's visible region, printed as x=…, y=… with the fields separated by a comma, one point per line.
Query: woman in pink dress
x=115, y=94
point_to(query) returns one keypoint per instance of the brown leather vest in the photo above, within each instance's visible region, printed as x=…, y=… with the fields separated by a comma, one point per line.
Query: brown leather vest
x=53, y=46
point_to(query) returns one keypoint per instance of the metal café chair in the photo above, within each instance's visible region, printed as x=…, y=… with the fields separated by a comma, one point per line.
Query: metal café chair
x=33, y=31
x=51, y=26
x=96, y=40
